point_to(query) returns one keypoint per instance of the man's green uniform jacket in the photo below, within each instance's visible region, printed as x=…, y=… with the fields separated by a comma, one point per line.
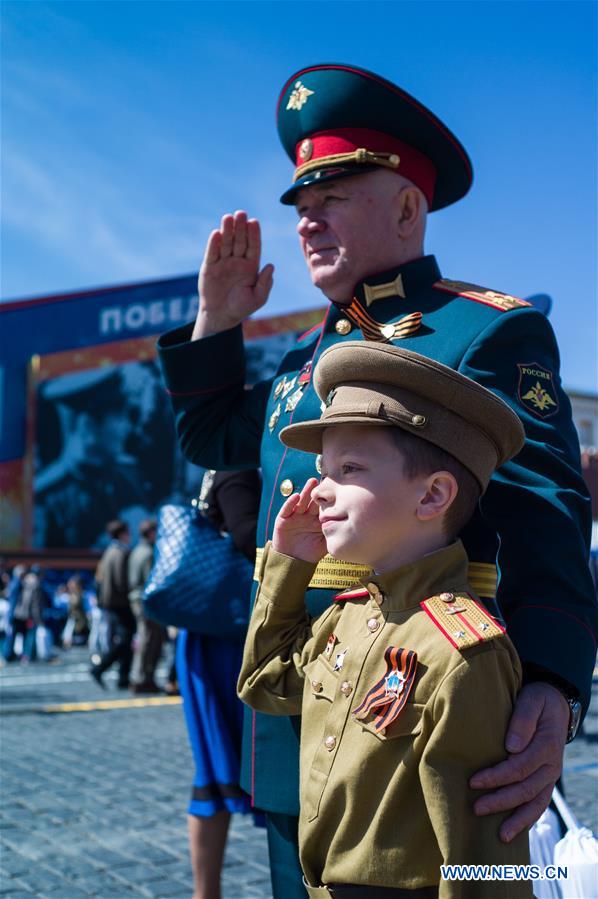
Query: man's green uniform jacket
x=533, y=522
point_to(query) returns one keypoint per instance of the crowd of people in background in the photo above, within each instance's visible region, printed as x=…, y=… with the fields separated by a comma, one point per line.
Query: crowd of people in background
x=44, y=613
x=39, y=616
x=103, y=611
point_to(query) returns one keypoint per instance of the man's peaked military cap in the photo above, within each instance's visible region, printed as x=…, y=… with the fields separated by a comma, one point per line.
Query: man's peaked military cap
x=337, y=120
x=365, y=383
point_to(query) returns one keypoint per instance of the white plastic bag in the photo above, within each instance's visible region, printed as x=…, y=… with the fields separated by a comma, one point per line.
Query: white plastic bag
x=543, y=838
x=578, y=852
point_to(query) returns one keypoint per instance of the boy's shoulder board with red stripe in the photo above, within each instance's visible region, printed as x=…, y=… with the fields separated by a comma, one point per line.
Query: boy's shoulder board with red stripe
x=462, y=619
x=502, y=301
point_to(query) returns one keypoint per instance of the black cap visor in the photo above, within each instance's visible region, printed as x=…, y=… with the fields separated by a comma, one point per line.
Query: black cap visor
x=327, y=173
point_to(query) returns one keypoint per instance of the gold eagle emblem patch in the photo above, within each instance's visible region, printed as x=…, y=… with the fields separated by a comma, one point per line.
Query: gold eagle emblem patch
x=536, y=389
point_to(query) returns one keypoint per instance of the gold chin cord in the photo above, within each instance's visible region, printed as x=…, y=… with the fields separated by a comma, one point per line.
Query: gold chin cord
x=361, y=155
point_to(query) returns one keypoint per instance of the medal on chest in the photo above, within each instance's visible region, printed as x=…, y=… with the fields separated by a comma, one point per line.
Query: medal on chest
x=383, y=333
x=274, y=418
x=289, y=392
x=340, y=659
x=292, y=401
x=330, y=644
x=395, y=684
x=385, y=700
x=288, y=386
x=304, y=376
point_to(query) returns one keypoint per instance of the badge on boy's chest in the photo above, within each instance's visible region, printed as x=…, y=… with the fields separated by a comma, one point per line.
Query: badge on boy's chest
x=339, y=659
x=395, y=684
x=335, y=655
x=386, y=699
x=330, y=644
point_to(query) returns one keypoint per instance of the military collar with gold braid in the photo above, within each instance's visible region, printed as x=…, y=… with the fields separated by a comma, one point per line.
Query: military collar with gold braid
x=398, y=284
x=332, y=574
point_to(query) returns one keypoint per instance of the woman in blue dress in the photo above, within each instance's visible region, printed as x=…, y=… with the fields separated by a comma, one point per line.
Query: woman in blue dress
x=208, y=668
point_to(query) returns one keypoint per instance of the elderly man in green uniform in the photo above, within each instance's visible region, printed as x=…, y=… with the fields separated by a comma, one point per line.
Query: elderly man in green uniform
x=370, y=163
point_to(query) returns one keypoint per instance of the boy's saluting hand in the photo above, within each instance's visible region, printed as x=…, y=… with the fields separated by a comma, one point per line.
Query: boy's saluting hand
x=297, y=529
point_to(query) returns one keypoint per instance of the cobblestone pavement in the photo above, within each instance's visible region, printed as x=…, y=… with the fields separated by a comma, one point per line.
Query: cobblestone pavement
x=93, y=802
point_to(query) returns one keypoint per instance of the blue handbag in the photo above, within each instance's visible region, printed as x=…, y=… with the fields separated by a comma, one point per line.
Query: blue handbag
x=199, y=580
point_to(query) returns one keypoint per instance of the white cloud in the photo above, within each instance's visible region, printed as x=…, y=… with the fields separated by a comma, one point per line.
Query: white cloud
x=85, y=217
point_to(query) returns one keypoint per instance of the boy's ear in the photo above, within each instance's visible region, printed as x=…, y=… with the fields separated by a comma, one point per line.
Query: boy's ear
x=441, y=490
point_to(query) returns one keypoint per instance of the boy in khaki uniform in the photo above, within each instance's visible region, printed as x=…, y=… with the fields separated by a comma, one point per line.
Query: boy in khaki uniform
x=405, y=684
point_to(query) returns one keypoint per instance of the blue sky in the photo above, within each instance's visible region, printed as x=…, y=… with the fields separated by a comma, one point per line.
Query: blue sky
x=130, y=127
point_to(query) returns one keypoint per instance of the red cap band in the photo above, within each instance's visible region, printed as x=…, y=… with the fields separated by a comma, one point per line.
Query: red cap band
x=413, y=164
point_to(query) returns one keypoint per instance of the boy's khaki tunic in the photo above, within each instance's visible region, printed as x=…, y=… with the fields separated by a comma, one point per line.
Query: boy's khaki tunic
x=387, y=809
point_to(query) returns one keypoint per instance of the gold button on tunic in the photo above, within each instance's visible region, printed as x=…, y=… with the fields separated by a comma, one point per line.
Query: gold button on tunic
x=376, y=593
x=286, y=488
x=343, y=327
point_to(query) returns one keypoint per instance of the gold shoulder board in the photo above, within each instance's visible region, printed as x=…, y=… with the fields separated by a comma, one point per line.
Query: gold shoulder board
x=479, y=294
x=462, y=619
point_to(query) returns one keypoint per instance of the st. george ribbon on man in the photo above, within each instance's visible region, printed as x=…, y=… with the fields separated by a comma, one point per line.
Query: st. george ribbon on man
x=370, y=163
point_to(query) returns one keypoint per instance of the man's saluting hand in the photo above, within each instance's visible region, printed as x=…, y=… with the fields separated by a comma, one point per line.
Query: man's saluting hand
x=231, y=286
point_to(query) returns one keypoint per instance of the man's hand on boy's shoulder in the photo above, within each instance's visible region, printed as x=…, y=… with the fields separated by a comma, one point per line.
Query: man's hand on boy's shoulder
x=535, y=741
x=297, y=530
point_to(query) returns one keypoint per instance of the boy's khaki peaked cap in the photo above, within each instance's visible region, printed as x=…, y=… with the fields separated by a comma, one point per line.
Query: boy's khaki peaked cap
x=366, y=383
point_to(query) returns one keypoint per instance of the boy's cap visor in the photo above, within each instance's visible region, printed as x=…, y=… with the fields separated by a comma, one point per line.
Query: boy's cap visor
x=364, y=383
